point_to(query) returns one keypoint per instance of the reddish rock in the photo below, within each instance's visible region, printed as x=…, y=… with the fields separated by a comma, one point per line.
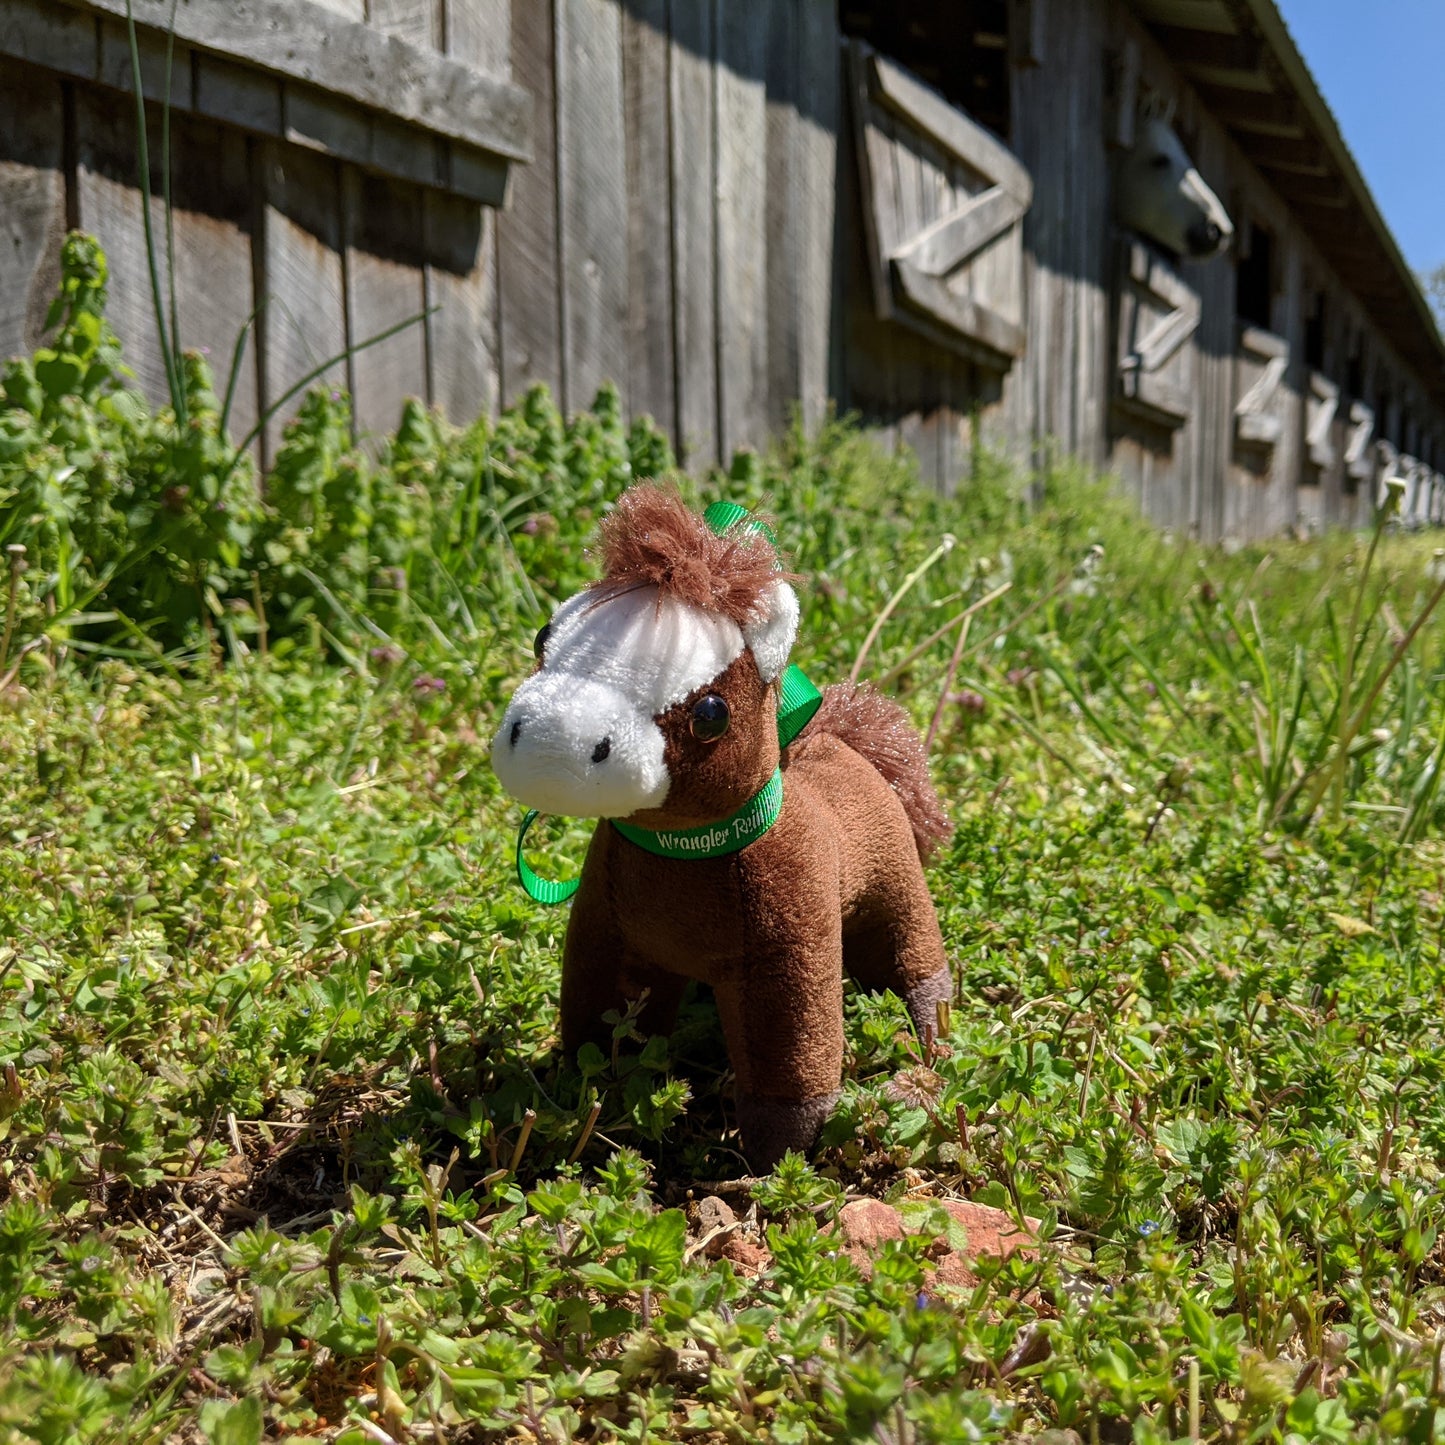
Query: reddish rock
x=864, y=1225
x=749, y=1256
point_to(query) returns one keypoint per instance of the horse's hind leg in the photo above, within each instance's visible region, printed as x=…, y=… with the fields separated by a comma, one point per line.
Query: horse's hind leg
x=893, y=942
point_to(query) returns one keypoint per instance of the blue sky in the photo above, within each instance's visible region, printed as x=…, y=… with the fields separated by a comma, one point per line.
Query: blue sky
x=1381, y=67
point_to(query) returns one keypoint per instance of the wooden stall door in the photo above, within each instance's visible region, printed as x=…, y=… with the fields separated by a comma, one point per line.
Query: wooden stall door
x=943, y=206
x=1263, y=494
x=1158, y=316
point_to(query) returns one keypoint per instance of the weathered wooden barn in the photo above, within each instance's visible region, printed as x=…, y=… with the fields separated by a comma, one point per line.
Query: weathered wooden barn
x=735, y=207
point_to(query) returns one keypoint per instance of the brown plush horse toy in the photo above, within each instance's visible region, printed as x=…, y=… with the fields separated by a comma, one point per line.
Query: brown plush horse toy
x=763, y=872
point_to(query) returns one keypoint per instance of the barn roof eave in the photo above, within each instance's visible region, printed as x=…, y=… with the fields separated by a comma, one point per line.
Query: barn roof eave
x=1297, y=71
x=1322, y=177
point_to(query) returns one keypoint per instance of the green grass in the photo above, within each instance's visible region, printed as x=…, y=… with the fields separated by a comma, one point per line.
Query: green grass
x=284, y=1134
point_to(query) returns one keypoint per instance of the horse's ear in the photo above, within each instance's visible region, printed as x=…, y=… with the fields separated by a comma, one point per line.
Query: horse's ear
x=772, y=634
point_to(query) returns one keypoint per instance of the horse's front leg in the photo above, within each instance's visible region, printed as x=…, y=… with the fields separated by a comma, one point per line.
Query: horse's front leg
x=600, y=974
x=782, y=1012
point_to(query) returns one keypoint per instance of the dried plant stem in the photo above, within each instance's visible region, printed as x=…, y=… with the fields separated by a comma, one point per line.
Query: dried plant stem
x=16, y=552
x=938, y=553
x=947, y=684
x=592, y=1116
x=528, y=1119
x=971, y=610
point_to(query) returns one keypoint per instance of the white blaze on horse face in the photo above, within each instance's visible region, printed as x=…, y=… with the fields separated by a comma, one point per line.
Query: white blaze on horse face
x=579, y=736
x=1162, y=196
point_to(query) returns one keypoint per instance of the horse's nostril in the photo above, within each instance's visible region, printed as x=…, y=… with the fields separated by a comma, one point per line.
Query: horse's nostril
x=600, y=752
x=516, y=732
x=1204, y=238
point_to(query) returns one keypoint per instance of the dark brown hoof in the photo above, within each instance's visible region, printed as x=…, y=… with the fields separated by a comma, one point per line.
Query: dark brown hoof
x=923, y=1000
x=770, y=1127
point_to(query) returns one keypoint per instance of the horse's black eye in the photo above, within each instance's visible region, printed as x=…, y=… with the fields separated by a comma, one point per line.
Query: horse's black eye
x=540, y=641
x=709, y=718
x=1159, y=162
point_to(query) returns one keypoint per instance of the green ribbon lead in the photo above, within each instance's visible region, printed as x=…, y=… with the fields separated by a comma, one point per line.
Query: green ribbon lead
x=542, y=890
x=798, y=700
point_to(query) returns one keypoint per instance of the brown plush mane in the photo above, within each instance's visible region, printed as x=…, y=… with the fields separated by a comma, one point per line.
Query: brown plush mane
x=651, y=538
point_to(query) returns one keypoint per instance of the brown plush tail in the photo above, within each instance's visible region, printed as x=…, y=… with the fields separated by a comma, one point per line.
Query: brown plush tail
x=880, y=731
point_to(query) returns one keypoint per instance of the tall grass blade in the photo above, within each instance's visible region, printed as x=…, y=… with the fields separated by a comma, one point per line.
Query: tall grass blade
x=315, y=374
x=174, y=381
x=233, y=377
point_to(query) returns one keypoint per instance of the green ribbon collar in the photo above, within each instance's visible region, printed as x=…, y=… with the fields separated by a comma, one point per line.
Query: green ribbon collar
x=714, y=840
x=798, y=700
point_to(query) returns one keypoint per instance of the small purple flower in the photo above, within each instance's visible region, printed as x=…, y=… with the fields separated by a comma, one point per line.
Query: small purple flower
x=1019, y=675
x=1149, y=1226
x=531, y=527
x=968, y=700
x=1150, y=690
x=387, y=655
x=427, y=683
x=920, y=1300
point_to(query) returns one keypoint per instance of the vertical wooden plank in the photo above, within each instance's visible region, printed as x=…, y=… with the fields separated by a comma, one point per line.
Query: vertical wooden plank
x=109, y=205
x=592, y=190
x=1288, y=468
x=215, y=231
x=650, y=364
x=917, y=430
x=782, y=241
x=212, y=220
x=692, y=99
x=381, y=221
x=32, y=203
x=463, y=331
x=1213, y=343
x=816, y=199
x=460, y=241
x=303, y=323
x=479, y=32
x=1091, y=381
x=866, y=363
x=742, y=279
x=415, y=21
x=527, y=232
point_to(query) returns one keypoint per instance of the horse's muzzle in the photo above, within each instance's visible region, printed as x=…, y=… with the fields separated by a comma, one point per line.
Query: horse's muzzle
x=1205, y=238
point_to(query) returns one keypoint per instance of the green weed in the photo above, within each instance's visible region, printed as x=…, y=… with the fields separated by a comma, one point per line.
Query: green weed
x=287, y=1149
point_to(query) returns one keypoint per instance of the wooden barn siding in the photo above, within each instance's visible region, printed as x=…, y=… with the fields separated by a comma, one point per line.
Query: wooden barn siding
x=675, y=232
x=1060, y=397
x=32, y=202
x=1056, y=395
x=690, y=228
x=336, y=254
